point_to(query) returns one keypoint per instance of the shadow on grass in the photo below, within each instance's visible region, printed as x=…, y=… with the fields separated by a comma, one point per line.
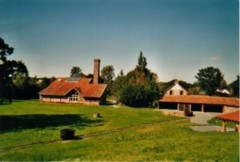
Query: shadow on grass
x=20, y=122
x=7, y=102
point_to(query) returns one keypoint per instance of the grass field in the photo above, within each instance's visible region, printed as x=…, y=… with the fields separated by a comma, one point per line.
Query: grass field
x=169, y=139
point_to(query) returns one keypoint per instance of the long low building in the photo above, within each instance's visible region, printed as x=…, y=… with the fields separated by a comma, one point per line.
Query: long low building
x=199, y=103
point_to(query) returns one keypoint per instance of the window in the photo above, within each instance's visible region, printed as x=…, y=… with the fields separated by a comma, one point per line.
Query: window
x=74, y=97
x=181, y=92
x=171, y=92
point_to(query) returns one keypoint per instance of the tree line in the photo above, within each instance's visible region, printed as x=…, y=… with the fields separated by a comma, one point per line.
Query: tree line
x=138, y=87
x=15, y=82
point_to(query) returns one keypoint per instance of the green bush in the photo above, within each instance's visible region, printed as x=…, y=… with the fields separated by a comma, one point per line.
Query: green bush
x=138, y=96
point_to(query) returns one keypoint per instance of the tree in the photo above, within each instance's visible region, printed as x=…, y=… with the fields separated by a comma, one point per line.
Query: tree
x=194, y=89
x=34, y=86
x=44, y=82
x=31, y=90
x=20, y=79
x=141, y=89
x=20, y=84
x=136, y=96
x=210, y=79
x=76, y=72
x=235, y=87
x=107, y=74
x=7, y=70
x=5, y=51
x=118, y=86
x=142, y=61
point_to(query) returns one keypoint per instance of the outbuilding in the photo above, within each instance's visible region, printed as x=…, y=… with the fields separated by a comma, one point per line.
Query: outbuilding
x=199, y=103
x=230, y=117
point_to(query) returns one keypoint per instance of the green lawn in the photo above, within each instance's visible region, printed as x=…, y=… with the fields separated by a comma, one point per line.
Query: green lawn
x=26, y=122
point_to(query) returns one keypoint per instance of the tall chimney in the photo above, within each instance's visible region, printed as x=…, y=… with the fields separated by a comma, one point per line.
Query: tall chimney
x=96, y=71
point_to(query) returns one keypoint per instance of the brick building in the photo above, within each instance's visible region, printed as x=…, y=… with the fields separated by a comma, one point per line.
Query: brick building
x=76, y=90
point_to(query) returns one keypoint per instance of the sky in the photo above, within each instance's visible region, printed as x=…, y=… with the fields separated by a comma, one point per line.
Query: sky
x=177, y=37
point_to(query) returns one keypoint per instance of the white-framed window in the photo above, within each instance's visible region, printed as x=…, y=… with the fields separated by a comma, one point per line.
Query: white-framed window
x=74, y=97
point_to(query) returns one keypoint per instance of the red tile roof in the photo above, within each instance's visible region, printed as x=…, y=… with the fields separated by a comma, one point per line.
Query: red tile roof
x=62, y=86
x=233, y=116
x=198, y=99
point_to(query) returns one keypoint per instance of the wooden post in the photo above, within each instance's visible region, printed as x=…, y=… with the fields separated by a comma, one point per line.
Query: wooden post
x=237, y=128
x=202, y=108
x=224, y=126
x=178, y=106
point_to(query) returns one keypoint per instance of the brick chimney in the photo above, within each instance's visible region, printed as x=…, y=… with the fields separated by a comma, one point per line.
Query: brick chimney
x=96, y=71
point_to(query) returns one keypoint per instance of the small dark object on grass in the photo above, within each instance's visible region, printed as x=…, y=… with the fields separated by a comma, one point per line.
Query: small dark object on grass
x=67, y=134
x=96, y=115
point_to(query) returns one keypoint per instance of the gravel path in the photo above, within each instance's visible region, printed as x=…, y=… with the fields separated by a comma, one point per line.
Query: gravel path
x=206, y=128
x=202, y=118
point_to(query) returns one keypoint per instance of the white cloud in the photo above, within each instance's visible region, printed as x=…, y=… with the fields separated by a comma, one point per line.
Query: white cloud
x=215, y=58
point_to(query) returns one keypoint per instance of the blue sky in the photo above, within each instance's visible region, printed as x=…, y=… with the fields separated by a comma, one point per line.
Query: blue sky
x=178, y=37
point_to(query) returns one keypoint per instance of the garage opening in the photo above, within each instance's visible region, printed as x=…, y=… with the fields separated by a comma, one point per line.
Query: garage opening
x=213, y=108
x=168, y=105
x=196, y=107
